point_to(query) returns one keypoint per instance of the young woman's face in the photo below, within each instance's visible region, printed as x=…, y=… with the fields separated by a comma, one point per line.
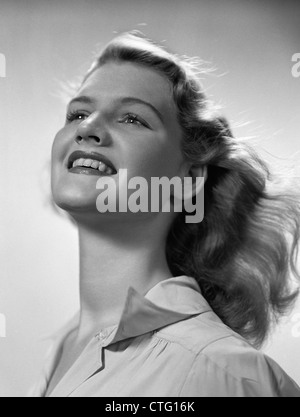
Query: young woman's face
x=126, y=113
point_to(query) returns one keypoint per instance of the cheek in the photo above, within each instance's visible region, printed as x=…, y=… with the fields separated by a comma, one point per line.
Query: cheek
x=58, y=155
x=59, y=147
x=154, y=159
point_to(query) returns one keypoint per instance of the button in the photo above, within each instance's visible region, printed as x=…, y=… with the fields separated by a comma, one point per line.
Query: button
x=100, y=336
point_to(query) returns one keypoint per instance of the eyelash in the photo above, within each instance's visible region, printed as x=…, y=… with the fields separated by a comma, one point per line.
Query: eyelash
x=74, y=115
x=135, y=119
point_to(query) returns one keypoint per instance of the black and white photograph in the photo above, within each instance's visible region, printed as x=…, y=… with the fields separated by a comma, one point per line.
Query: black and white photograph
x=150, y=201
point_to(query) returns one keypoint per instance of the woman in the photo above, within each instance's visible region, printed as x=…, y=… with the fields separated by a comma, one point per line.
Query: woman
x=168, y=308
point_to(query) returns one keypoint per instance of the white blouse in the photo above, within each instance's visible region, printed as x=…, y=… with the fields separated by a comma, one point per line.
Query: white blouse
x=168, y=343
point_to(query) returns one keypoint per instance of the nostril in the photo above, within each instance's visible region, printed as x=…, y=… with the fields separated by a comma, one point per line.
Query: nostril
x=96, y=139
x=78, y=139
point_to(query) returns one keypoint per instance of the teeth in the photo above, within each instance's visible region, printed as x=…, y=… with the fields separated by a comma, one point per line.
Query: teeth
x=102, y=167
x=90, y=163
x=95, y=164
x=79, y=162
x=87, y=163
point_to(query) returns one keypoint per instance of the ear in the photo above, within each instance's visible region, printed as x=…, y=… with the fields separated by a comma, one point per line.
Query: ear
x=199, y=177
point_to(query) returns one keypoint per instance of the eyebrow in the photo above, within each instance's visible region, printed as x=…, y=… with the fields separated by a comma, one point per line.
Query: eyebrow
x=134, y=100
x=82, y=99
x=124, y=100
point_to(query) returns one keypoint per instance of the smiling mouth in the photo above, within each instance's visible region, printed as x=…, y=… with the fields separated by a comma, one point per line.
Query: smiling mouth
x=90, y=164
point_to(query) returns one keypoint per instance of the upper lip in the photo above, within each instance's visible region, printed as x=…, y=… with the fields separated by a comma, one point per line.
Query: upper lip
x=90, y=155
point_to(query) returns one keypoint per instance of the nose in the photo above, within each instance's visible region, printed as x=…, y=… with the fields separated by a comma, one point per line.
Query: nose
x=92, y=131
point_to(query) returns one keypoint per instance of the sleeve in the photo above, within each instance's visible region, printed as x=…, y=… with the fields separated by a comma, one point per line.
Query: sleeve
x=236, y=370
x=285, y=386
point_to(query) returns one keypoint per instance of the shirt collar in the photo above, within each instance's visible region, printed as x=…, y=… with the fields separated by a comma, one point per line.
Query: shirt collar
x=168, y=302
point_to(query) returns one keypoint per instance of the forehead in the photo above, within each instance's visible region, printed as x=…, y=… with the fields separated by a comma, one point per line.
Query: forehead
x=115, y=79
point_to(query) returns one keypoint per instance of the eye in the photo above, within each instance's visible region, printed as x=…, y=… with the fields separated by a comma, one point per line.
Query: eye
x=76, y=116
x=133, y=119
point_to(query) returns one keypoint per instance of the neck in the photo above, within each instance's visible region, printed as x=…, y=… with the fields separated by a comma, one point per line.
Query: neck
x=113, y=257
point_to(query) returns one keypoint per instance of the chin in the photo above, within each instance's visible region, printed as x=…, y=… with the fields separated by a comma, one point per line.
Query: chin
x=71, y=200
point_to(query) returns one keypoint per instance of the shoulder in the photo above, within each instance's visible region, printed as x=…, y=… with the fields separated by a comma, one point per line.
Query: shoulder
x=224, y=364
x=197, y=333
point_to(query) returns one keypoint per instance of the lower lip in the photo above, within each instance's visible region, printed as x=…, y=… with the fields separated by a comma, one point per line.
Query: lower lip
x=87, y=171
